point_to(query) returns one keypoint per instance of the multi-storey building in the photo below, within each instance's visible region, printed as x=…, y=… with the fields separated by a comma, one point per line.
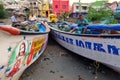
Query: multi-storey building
x=80, y=7
x=40, y=7
x=44, y=8
x=15, y=4
x=59, y=6
x=33, y=6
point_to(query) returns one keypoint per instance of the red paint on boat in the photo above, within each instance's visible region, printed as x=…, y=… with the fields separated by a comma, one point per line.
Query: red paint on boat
x=31, y=54
x=10, y=29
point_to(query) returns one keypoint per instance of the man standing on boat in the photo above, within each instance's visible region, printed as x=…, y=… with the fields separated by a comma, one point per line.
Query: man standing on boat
x=14, y=21
x=81, y=22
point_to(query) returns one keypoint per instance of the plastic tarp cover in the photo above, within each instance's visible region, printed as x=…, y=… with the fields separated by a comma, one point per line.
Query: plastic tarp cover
x=41, y=27
x=104, y=26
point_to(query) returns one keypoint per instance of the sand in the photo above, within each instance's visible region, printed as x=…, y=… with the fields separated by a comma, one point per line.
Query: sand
x=57, y=63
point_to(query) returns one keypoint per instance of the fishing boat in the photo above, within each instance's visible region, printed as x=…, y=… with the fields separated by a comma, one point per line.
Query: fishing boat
x=20, y=48
x=99, y=43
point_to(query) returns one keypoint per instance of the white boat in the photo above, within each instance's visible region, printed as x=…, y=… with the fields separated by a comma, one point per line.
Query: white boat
x=104, y=48
x=19, y=49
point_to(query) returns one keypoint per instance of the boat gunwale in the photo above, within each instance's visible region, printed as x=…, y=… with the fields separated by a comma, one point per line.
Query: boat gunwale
x=22, y=32
x=10, y=30
x=85, y=35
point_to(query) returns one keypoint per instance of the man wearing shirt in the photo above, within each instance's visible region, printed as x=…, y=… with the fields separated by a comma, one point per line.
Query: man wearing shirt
x=81, y=23
x=14, y=21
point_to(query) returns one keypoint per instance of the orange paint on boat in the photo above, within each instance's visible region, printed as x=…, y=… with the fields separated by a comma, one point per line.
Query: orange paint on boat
x=10, y=29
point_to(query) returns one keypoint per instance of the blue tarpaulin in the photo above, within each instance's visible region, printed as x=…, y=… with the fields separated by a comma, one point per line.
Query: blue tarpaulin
x=118, y=9
x=41, y=27
x=104, y=26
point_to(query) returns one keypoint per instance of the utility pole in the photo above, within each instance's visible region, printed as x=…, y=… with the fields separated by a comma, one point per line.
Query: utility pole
x=79, y=6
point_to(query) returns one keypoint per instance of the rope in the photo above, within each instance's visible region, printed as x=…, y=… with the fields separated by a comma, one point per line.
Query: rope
x=96, y=64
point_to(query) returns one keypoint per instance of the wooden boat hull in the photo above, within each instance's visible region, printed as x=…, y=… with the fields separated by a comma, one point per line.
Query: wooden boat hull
x=18, y=51
x=102, y=48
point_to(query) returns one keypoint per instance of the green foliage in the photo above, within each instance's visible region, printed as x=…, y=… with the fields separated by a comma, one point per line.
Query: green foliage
x=60, y=18
x=117, y=16
x=1, y=5
x=3, y=12
x=28, y=12
x=113, y=21
x=98, y=14
x=64, y=15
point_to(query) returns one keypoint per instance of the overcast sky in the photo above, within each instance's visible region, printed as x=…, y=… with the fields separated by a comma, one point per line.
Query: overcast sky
x=87, y=1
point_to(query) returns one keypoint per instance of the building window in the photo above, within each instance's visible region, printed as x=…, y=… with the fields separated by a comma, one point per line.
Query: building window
x=84, y=7
x=64, y=6
x=34, y=3
x=30, y=3
x=56, y=6
x=77, y=7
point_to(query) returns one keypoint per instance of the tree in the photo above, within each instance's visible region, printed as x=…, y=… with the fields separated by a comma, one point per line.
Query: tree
x=3, y=12
x=64, y=15
x=99, y=14
x=28, y=11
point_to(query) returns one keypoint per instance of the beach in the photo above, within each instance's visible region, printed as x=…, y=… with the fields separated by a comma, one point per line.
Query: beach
x=57, y=63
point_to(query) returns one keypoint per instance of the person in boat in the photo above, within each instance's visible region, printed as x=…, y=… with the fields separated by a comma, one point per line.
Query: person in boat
x=32, y=18
x=14, y=21
x=81, y=23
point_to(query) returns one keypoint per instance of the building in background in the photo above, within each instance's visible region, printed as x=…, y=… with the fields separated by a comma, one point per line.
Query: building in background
x=40, y=7
x=77, y=9
x=59, y=6
x=33, y=6
x=7, y=0
x=44, y=8
x=18, y=5
x=113, y=6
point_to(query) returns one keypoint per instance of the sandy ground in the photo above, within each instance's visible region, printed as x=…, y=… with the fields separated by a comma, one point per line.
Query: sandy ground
x=57, y=63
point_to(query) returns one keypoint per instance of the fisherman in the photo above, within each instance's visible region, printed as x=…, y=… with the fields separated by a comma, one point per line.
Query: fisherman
x=14, y=21
x=81, y=23
x=32, y=18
